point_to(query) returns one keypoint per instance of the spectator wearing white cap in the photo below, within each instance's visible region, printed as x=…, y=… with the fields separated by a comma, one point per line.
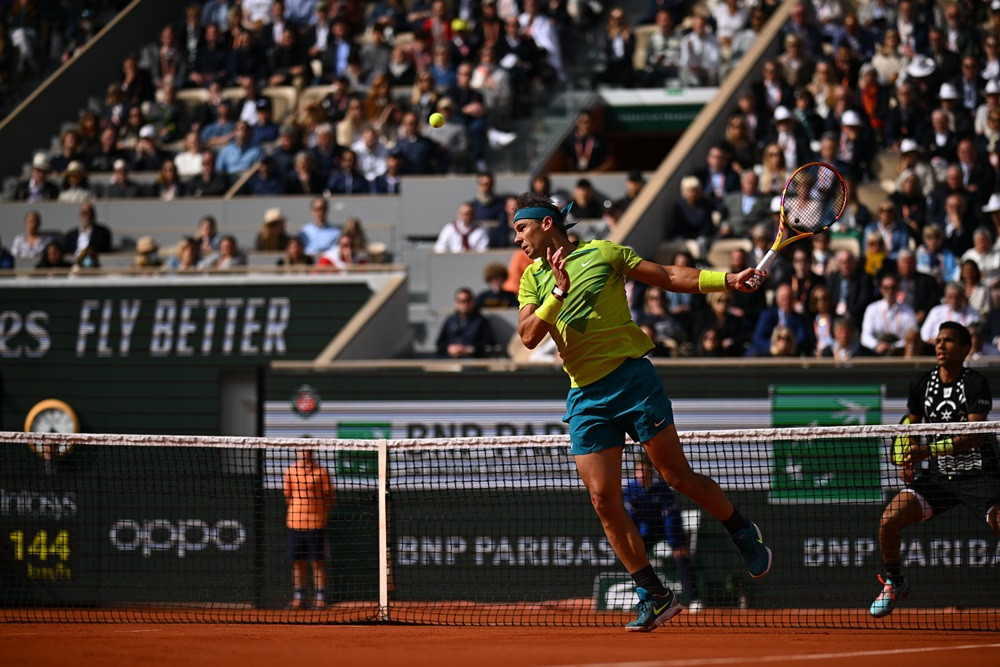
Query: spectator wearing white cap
x=855, y=145
x=992, y=213
x=911, y=160
x=920, y=74
x=37, y=187
x=991, y=100
x=121, y=186
x=146, y=156
x=959, y=118
x=789, y=136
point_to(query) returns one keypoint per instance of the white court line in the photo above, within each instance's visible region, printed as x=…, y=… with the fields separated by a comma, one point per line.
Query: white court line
x=103, y=632
x=750, y=660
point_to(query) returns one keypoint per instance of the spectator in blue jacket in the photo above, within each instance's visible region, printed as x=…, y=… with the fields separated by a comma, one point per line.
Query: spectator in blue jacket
x=781, y=313
x=466, y=333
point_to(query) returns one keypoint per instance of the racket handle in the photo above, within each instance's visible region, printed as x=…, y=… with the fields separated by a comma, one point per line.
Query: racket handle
x=765, y=263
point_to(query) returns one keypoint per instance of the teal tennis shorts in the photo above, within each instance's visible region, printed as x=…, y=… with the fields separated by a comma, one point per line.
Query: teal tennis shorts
x=629, y=400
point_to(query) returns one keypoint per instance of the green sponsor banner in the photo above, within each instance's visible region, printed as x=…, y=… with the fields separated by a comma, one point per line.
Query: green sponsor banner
x=360, y=464
x=826, y=470
x=673, y=117
x=826, y=405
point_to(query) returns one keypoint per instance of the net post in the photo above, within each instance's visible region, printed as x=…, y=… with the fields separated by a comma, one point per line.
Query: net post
x=383, y=529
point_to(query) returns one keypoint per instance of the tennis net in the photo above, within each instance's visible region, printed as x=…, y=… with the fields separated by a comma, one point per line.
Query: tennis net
x=468, y=531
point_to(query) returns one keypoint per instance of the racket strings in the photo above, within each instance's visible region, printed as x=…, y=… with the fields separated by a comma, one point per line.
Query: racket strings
x=814, y=198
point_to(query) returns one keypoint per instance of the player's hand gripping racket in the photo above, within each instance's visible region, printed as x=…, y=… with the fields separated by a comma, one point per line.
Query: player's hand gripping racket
x=813, y=199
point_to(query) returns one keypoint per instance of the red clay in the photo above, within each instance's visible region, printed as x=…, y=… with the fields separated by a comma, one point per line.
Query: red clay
x=245, y=645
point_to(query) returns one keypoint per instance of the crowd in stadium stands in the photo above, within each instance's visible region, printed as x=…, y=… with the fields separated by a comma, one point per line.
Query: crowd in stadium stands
x=915, y=79
x=375, y=77
x=36, y=36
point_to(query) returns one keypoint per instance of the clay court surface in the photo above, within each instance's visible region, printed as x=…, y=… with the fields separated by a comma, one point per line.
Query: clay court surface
x=83, y=644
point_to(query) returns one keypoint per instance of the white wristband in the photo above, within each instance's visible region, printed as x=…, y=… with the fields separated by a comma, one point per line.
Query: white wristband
x=559, y=293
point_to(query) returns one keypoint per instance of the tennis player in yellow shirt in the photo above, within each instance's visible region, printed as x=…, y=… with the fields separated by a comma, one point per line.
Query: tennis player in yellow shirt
x=576, y=293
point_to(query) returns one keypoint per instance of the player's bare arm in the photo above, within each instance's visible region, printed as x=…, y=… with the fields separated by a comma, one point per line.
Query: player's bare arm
x=531, y=328
x=684, y=279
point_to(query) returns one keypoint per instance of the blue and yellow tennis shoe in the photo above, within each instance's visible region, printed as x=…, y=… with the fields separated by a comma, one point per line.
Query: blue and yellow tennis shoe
x=756, y=554
x=653, y=610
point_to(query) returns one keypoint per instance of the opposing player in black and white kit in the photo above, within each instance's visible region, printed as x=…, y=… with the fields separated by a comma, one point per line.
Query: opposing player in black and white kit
x=961, y=469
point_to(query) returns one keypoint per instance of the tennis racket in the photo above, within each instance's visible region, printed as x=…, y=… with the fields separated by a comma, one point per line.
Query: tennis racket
x=813, y=199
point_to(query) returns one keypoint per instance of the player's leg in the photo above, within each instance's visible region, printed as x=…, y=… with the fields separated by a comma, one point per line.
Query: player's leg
x=319, y=581
x=296, y=552
x=317, y=556
x=905, y=509
x=299, y=574
x=601, y=472
x=667, y=454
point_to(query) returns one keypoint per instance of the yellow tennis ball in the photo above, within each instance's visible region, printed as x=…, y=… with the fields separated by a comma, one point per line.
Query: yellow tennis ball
x=436, y=120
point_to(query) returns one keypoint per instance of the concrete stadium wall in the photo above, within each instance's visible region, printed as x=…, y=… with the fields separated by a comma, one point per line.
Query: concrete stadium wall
x=407, y=224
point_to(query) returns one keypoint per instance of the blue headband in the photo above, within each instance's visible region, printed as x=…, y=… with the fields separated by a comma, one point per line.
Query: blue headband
x=539, y=212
